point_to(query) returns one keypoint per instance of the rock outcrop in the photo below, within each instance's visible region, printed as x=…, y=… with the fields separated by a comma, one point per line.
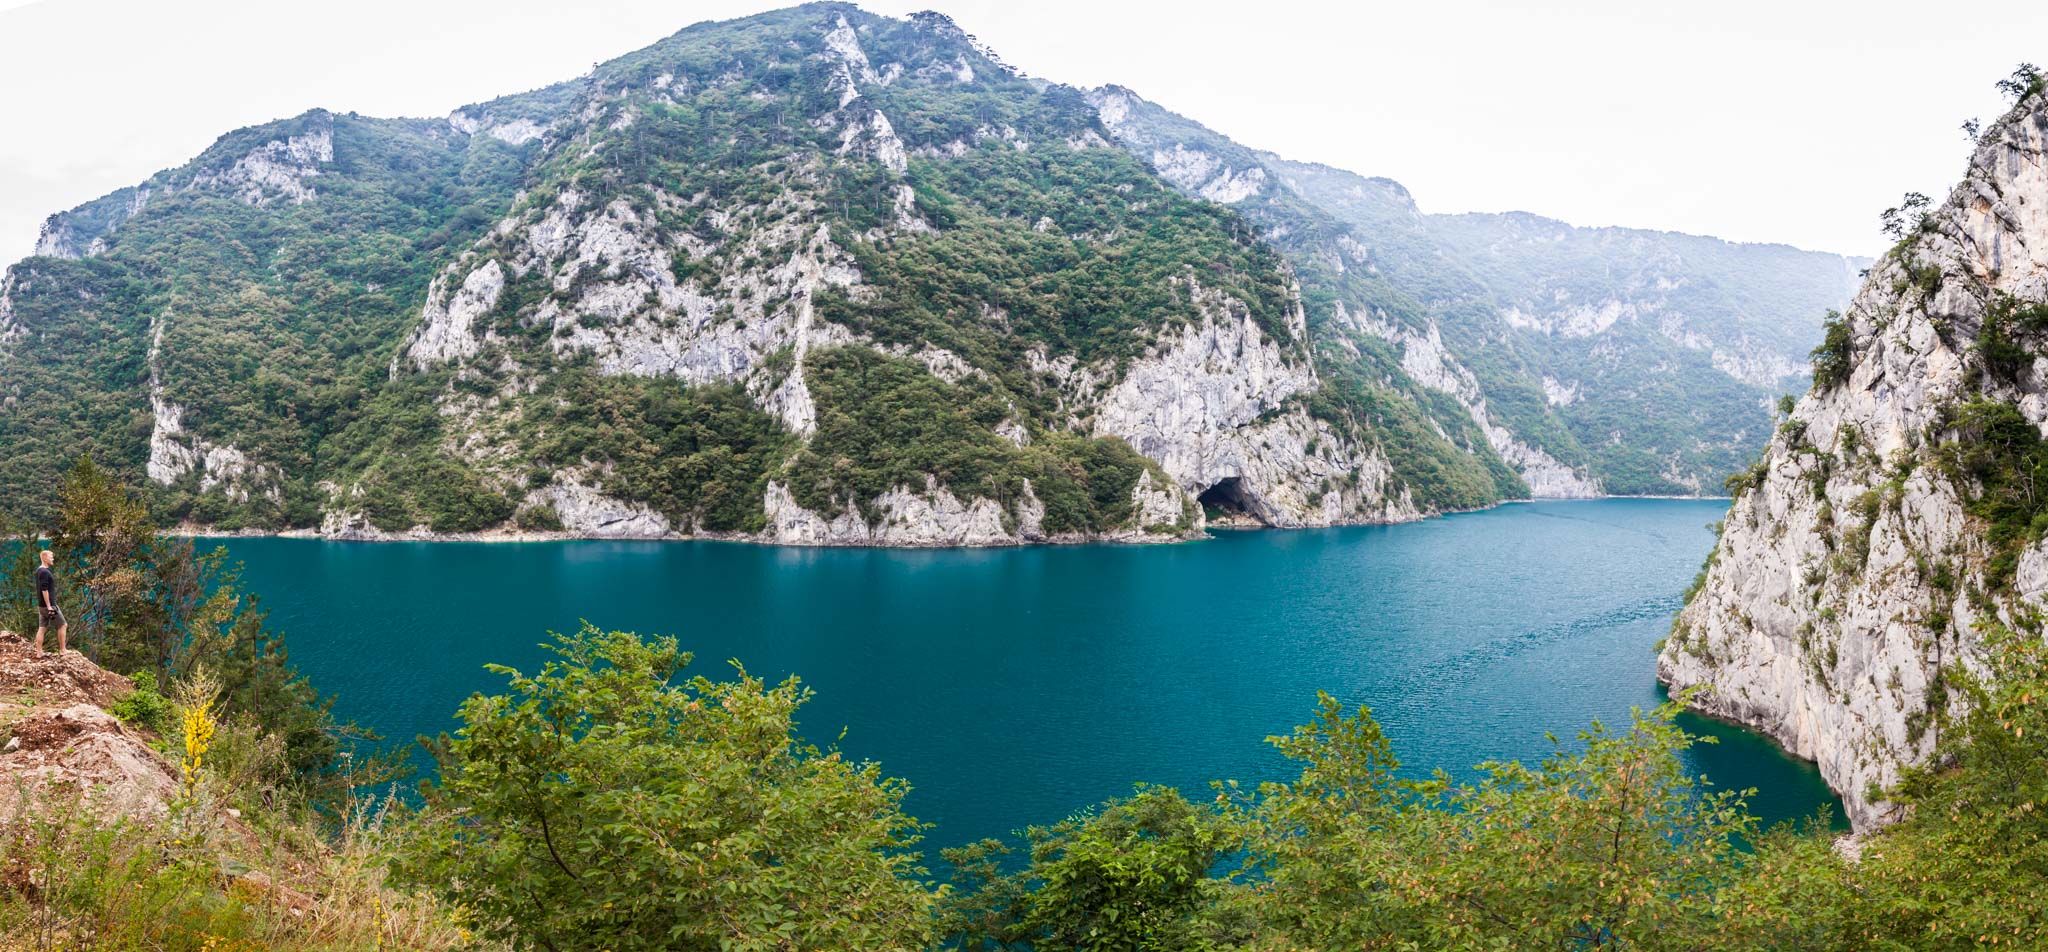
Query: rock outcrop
x=61, y=738
x=1855, y=574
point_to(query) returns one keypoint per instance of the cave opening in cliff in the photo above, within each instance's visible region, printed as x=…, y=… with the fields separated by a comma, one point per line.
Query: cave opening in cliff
x=1228, y=503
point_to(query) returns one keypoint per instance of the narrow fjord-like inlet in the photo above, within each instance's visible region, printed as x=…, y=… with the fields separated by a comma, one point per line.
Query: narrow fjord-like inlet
x=1014, y=686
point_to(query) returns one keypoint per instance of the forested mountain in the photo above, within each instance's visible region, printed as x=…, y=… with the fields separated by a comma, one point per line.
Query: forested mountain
x=818, y=276
x=1883, y=561
x=1599, y=360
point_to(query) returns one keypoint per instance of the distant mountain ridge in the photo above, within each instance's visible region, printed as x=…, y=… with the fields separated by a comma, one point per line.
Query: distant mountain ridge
x=821, y=277
x=1610, y=360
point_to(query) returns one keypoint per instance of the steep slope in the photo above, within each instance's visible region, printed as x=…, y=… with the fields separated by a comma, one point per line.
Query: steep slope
x=1595, y=359
x=812, y=276
x=1893, y=525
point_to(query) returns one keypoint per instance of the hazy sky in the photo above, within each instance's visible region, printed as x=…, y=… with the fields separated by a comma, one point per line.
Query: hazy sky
x=1758, y=121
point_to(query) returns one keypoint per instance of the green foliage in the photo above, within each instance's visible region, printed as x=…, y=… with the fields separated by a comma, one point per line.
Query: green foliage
x=2025, y=81
x=1411, y=428
x=2001, y=464
x=1832, y=360
x=1111, y=268
x=2009, y=337
x=155, y=605
x=600, y=804
x=1130, y=876
x=1977, y=839
x=885, y=422
x=1748, y=479
x=1612, y=847
x=274, y=326
x=144, y=705
x=700, y=456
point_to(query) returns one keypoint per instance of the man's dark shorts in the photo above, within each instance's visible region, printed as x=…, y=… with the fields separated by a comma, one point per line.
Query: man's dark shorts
x=50, y=617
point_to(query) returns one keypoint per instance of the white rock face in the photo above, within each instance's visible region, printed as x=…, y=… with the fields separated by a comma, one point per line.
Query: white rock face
x=589, y=513
x=447, y=325
x=1580, y=320
x=618, y=298
x=517, y=132
x=1424, y=358
x=1210, y=402
x=1824, y=620
x=843, y=44
x=1560, y=394
x=1755, y=365
x=10, y=325
x=279, y=168
x=61, y=236
x=1206, y=175
x=174, y=452
x=934, y=517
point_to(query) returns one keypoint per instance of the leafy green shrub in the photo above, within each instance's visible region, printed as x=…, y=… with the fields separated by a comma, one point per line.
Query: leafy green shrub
x=600, y=804
x=540, y=519
x=1132, y=874
x=2001, y=464
x=1832, y=359
x=144, y=705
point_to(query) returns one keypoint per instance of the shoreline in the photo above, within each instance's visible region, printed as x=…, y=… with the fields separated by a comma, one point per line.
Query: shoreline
x=497, y=536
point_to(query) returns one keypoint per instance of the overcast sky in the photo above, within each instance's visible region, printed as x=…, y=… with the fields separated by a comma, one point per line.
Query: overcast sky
x=1756, y=121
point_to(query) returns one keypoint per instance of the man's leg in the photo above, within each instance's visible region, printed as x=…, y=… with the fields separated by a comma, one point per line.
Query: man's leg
x=40, y=626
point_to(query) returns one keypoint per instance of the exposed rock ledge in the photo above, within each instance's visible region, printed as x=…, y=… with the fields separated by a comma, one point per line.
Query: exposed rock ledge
x=62, y=738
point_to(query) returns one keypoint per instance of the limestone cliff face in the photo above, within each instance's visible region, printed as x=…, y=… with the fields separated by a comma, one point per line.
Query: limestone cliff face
x=1216, y=399
x=1645, y=330
x=1851, y=575
x=723, y=286
x=1424, y=357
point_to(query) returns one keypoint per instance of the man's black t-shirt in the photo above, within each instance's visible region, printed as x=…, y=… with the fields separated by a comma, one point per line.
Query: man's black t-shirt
x=46, y=581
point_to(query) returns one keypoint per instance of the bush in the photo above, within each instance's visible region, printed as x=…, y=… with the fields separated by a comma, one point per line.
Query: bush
x=1831, y=360
x=601, y=805
x=144, y=705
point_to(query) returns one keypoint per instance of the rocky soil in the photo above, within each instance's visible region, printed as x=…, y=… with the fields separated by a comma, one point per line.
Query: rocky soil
x=58, y=734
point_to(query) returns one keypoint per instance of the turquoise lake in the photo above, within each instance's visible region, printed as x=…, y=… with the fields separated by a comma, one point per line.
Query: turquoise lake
x=1015, y=686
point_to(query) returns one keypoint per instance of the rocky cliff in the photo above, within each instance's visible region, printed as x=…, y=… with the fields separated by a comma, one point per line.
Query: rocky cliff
x=813, y=276
x=1593, y=360
x=824, y=277
x=1892, y=525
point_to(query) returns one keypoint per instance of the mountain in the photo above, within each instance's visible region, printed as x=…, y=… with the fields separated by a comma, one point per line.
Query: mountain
x=818, y=276
x=1890, y=539
x=813, y=276
x=1597, y=360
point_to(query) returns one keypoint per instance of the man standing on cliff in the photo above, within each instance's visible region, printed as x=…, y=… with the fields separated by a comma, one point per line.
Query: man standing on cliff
x=46, y=602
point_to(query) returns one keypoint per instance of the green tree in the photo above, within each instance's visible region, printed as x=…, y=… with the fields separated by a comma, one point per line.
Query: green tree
x=1831, y=360
x=155, y=605
x=1614, y=847
x=600, y=804
x=1131, y=876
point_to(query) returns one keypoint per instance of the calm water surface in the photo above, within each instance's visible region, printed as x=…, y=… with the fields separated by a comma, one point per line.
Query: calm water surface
x=1014, y=686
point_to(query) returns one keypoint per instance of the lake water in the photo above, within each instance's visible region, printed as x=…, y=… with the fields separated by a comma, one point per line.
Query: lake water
x=1014, y=686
